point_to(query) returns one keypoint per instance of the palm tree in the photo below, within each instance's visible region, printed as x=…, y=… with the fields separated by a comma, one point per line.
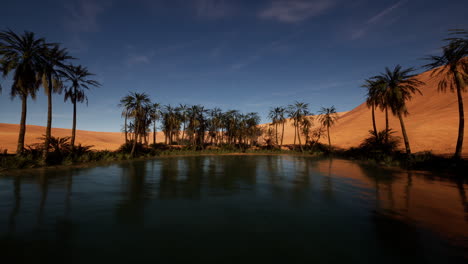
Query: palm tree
x=54, y=63
x=125, y=103
x=22, y=55
x=154, y=116
x=137, y=106
x=374, y=98
x=400, y=85
x=452, y=67
x=328, y=117
x=282, y=120
x=214, y=122
x=78, y=77
x=274, y=115
x=297, y=111
x=182, y=109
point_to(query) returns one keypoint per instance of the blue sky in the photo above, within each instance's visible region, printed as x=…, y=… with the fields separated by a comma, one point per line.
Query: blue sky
x=247, y=55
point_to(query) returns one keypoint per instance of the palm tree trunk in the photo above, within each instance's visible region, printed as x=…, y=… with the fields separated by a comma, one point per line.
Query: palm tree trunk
x=45, y=154
x=154, y=132
x=329, y=140
x=22, y=131
x=373, y=120
x=282, y=134
x=72, y=141
x=146, y=137
x=405, y=136
x=276, y=132
x=386, y=125
x=132, y=152
x=295, y=131
x=461, y=121
x=183, y=131
x=125, y=127
x=299, y=138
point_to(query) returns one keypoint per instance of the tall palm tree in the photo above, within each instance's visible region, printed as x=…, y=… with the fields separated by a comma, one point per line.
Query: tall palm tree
x=297, y=111
x=328, y=117
x=22, y=55
x=137, y=106
x=214, y=123
x=125, y=104
x=452, y=67
x=79, y=82
x=282, y=120
x=154, y=116
x=54, y=64
x=274, y=115
x=374, y=98
x=400, y=85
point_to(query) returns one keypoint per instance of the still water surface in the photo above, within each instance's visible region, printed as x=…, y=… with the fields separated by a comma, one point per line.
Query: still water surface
x=232, y=209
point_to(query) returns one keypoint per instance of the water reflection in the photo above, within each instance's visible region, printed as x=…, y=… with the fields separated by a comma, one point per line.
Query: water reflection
x=395, y=213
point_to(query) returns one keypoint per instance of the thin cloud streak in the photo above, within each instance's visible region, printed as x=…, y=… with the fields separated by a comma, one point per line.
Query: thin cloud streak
x=292, y=11
x=265, y=49
x=376, y=19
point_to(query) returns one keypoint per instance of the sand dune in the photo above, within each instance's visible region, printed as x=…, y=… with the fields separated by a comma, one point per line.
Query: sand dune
x=432, y=126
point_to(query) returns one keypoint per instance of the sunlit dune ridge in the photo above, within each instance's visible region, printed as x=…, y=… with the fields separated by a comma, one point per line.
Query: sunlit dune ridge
x=432, y=125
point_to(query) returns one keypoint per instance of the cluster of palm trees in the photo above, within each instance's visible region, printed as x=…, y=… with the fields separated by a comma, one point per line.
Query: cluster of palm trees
x=190, y=125
x=32, y=63
x=302, y=120
x=391, y=89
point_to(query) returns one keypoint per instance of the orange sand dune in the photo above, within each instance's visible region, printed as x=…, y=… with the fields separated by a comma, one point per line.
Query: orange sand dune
x=432, y=125
x=100, y=140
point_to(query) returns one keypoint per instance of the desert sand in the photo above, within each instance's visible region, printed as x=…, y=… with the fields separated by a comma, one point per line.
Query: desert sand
x=432, y=125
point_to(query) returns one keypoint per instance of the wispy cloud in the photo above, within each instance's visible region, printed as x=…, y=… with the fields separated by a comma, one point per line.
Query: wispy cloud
x=213, y=8
x=246, y=62
x=291, y=11
x=135, y=56
x=135, y=59
x=82, y=15
x=272, y=46
x=376, y=19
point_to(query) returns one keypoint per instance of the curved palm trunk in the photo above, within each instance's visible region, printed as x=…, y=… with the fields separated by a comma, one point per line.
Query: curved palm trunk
x=299, y=138
x=373, y=121
x=461, y=122
x=49, y=123
x=72, y=141
x=386, y=125
x=125, y=127
x=295, y=132
x=329, y=140
x=22, y=131
x=405, y=136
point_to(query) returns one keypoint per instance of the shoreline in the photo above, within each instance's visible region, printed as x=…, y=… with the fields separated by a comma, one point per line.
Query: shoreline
x=445, y=166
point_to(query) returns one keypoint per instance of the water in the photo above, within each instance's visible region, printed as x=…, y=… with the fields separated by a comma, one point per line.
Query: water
x=232, y=209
